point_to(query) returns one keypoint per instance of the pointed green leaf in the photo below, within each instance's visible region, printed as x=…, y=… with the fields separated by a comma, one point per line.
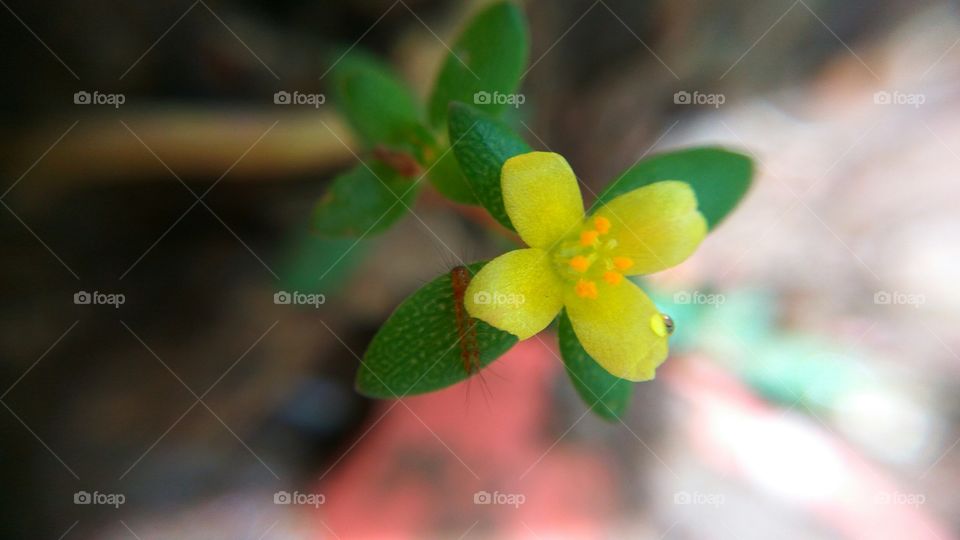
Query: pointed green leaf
x=482, y=144
x=377, y=104
x=489, y=56
x=607, y=396
x=419, y=349
x=719, y=177
x=362, y=201
x=446, y=176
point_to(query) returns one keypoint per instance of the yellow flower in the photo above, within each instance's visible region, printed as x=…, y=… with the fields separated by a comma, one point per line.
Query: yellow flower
x=579, y=262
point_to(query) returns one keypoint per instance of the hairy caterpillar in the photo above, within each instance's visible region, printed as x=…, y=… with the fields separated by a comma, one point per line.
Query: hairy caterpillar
x=466, y=328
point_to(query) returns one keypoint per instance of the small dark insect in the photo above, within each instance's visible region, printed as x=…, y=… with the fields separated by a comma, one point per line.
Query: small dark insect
x=669, y=324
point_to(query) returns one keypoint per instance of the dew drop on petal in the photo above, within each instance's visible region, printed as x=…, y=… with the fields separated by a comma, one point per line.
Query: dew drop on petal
x=662, y=325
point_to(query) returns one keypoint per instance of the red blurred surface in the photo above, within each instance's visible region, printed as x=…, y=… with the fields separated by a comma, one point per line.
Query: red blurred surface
x=420, y=464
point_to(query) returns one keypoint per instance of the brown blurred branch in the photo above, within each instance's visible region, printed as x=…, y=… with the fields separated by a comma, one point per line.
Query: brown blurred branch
x=195, y=143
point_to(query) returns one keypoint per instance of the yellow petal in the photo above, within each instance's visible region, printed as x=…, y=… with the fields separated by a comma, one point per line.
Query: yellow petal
x=541, y=196
x=618, y=329
x=656, y=226
x=518, y=292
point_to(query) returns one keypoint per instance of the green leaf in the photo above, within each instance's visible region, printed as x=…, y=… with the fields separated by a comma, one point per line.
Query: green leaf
x=312, y=264
x=482, y=143
x=489, y=56
x=446, y=176
x=362, y=201
x=719, y=177
x=379, y=107
x=607, y=396
x=419, y=349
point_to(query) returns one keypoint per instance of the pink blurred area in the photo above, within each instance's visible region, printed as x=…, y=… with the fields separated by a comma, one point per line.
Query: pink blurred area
x=793, y=458
x=418, y=467
x=417, y=470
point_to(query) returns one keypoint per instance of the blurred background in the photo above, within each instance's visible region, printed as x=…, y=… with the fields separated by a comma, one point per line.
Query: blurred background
x=812, y=390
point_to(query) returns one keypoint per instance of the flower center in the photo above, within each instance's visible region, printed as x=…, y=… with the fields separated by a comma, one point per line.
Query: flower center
x=586, y=257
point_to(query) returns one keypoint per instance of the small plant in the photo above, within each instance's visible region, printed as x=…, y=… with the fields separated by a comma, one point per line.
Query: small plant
x=577, y=267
